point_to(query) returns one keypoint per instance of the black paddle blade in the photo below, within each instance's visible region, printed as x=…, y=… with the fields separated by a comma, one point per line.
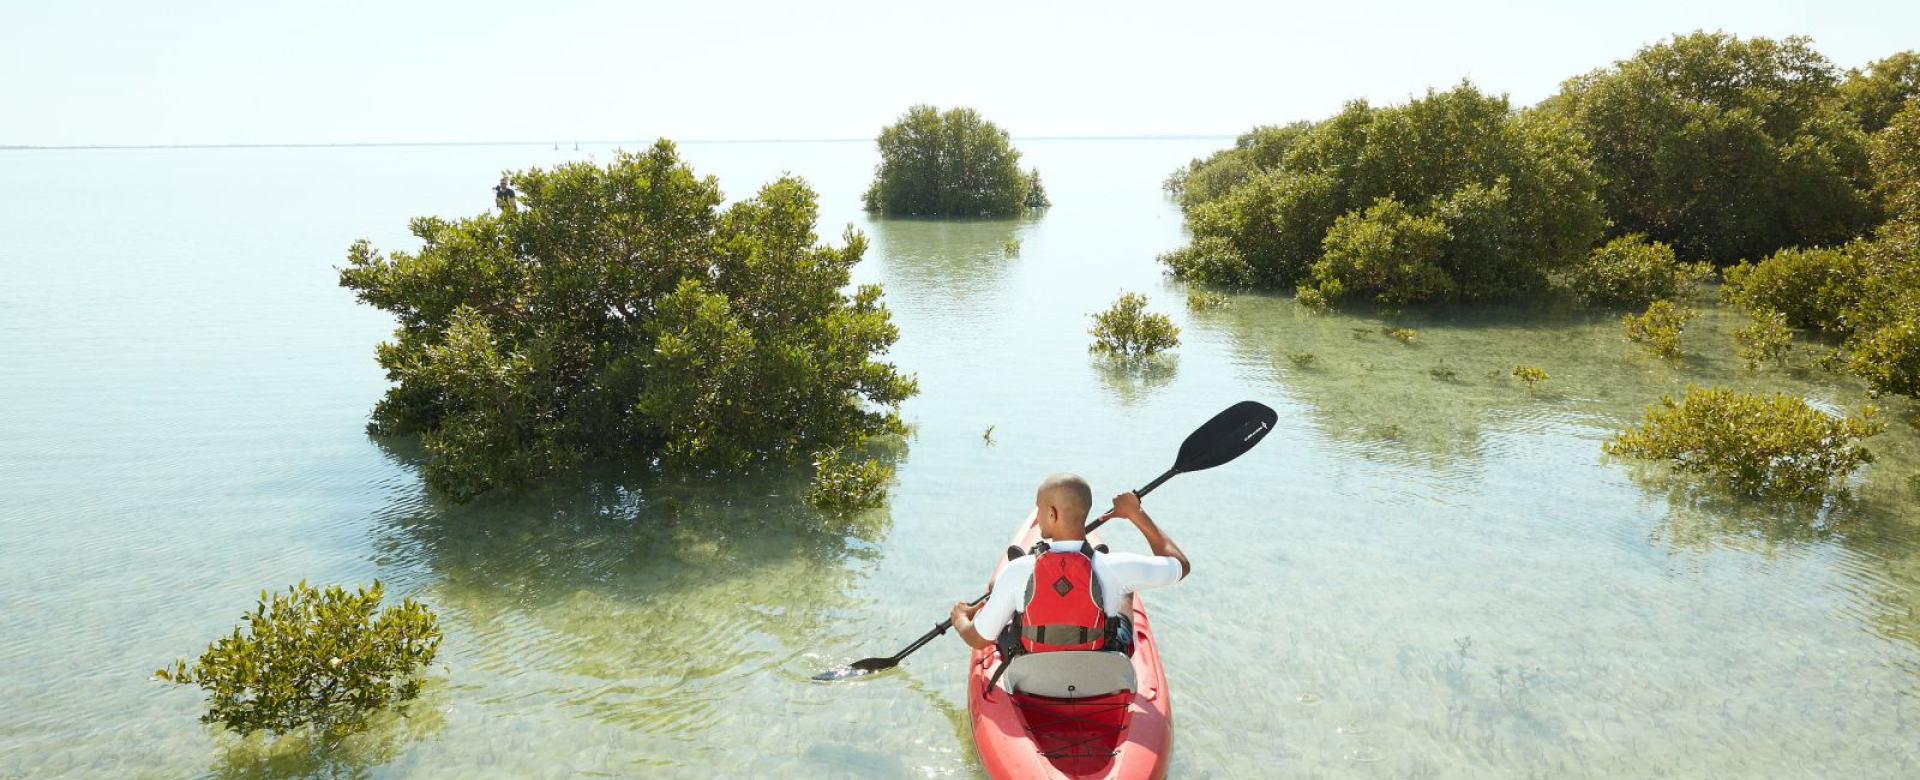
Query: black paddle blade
x=863, y=666
x=1227, y=436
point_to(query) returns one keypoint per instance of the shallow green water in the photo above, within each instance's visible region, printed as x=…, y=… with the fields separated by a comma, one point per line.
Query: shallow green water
x=1427, y=571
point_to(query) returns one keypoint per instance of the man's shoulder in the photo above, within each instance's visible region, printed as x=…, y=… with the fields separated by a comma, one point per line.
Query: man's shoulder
x=1134, y=563
x=1021, y=566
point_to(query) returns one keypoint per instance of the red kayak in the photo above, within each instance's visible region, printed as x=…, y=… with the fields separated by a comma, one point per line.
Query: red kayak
x=1077, y=714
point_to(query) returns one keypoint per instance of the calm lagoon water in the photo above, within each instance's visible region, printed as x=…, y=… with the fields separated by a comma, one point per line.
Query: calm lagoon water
x=1426, y=572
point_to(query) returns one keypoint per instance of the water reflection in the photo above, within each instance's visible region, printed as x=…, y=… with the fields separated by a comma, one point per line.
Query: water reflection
x=1702, y=516
x=643, y=605
x=328, y=756
x=963, y=262
x=1133, y=381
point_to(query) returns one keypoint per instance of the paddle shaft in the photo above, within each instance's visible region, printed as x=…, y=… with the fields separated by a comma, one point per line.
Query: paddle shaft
x=948, y=623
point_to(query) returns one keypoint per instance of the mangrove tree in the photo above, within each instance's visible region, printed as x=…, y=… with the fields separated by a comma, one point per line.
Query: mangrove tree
x=1725, y=148
x=950, y=164
x=1451, y=196
x=620, y=314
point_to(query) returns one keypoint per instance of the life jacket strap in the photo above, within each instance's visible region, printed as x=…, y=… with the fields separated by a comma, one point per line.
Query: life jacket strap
x=1058, y=634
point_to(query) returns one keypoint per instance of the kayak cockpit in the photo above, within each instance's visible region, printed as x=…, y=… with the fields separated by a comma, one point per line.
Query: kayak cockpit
x=1075, y=704
x=1079, y=736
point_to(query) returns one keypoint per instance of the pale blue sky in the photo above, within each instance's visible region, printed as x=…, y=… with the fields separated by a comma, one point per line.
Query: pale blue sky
x=82, y=72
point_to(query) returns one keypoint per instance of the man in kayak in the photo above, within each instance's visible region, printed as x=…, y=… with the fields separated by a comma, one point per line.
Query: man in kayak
x=1085, y=601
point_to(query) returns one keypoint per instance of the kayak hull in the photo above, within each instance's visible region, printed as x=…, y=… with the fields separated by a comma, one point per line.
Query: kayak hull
x=1126, y=736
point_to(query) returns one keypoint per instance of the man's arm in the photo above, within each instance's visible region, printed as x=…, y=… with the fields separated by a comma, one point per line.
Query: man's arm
x=963, y=624
x=1127, y=505
x=977, y=626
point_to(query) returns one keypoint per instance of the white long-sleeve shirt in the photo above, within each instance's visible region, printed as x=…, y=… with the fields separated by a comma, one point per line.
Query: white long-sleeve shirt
x=1119, y=573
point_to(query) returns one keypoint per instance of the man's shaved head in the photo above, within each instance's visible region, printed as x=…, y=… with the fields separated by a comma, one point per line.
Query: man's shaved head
x=1069, y=494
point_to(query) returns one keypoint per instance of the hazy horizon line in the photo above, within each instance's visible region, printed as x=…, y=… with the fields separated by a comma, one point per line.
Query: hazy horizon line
x=602, y=142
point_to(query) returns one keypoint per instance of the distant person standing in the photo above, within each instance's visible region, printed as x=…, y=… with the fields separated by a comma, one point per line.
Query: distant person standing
x=503, y=196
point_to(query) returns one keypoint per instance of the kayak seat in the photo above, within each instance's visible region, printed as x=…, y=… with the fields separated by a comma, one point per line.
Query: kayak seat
x=1071, y=674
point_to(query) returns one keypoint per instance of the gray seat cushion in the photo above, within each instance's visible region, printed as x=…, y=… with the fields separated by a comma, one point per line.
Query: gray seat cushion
x=1071, y=673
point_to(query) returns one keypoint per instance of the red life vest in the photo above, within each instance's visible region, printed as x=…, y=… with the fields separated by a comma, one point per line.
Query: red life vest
x=1063, y=609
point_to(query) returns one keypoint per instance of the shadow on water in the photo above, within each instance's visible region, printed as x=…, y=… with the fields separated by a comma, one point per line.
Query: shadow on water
x=1133, y=381
x=644, y=604
x=1702, y=516
x=1878, y=544
x=323, y=756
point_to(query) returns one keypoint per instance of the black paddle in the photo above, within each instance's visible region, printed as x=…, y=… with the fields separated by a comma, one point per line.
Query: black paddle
x=1225, y=437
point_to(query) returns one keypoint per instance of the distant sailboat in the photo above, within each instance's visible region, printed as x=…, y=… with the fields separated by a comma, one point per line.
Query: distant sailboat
x=576, y=146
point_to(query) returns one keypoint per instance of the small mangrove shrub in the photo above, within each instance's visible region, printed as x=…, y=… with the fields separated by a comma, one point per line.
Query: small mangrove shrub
x=1531, y=376
x=1202, y=300
x=847, y=484
x=1811, y=288
x=1011, y=248
x=1127, y=330
x=311, y=657
x=1403, y=335
x=1658, y=329
x=1301, y=359
x=1443, y=373
x=1388, y=252
x=1761, y=444
x=1631, y=271
x=1767, y=340
x=1867, y=292
x=1888, y=357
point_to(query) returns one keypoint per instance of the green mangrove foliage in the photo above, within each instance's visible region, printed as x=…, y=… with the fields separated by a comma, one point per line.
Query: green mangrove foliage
x=1896, y=164
x=1128, y=331
x=1199, y=299
x=310, y=657
x=1531, y=376
x=1867, y=291
x=1876, y=94
x=1808, y=288
x=1766, y=340
x=1631, y=271
x=621, y=314
x=1206, y=180
x=951, y=164
x=1774, y=445
x=1723, y=147
x=1658, y=328
x=1454, y=195
x=846, y=484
